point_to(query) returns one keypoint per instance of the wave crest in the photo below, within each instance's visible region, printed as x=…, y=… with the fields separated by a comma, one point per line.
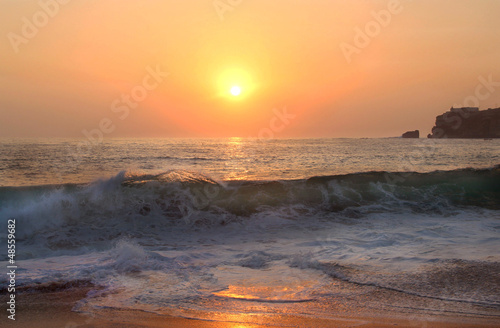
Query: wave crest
x=69, y=216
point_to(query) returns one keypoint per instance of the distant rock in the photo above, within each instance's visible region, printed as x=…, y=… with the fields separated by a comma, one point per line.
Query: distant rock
x=411, y=134
x=467, y=122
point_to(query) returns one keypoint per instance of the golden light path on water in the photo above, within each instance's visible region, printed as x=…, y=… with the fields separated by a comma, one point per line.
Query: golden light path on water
x=264, y=293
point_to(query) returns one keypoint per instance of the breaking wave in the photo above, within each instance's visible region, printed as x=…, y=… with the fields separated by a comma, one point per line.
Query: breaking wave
x=129, y=205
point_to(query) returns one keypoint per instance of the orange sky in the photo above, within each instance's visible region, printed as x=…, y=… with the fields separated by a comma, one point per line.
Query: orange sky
x=68, y=73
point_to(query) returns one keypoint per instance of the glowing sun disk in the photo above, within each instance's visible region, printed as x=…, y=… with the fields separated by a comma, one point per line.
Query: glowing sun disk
x=235, y=90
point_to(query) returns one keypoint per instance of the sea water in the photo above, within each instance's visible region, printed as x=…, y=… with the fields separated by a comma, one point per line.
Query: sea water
x=236, y=229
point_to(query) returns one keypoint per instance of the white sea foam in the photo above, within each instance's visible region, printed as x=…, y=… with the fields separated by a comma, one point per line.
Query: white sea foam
x=274, y=243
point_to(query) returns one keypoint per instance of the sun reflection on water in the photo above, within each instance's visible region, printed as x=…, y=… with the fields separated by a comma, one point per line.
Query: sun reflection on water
x=266, y=293
x=236, y=155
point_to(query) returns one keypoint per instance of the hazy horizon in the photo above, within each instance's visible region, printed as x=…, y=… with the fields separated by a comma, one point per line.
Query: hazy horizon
x=241, y=163
x=330, y=69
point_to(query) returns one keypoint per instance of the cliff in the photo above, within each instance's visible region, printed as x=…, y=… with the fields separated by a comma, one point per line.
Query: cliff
x=467, y=122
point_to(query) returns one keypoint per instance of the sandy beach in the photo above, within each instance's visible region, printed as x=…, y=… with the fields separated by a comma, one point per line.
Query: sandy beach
x=237, y=164
x=55, y=309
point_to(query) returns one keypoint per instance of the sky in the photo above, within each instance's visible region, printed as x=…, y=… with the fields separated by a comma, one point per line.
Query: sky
x=315, y=68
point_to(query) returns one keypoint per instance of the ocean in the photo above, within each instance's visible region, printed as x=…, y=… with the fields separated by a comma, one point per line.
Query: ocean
x=236, y=229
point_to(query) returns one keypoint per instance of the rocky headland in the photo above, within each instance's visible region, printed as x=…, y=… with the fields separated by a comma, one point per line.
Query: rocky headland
x=411, y=134
x=467, y=122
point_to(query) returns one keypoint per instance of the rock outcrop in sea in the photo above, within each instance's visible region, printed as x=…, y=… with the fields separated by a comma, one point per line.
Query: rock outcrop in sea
x=411, y=134
x=467, y=122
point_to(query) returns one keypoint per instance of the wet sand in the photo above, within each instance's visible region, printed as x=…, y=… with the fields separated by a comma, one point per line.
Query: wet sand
x=54, y=308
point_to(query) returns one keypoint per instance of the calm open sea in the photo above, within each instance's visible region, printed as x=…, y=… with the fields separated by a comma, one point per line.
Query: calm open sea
x=236, y=229
x=54, y=161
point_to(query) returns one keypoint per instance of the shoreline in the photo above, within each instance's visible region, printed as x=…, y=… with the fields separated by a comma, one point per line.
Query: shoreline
x=54, y=308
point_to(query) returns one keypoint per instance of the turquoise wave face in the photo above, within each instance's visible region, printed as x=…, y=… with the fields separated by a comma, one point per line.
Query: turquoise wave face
x=129, y=204
x=160, y=194
x=182, y=241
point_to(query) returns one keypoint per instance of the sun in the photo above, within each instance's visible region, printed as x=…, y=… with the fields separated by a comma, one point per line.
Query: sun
x=234, y=84
x=235, y=90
